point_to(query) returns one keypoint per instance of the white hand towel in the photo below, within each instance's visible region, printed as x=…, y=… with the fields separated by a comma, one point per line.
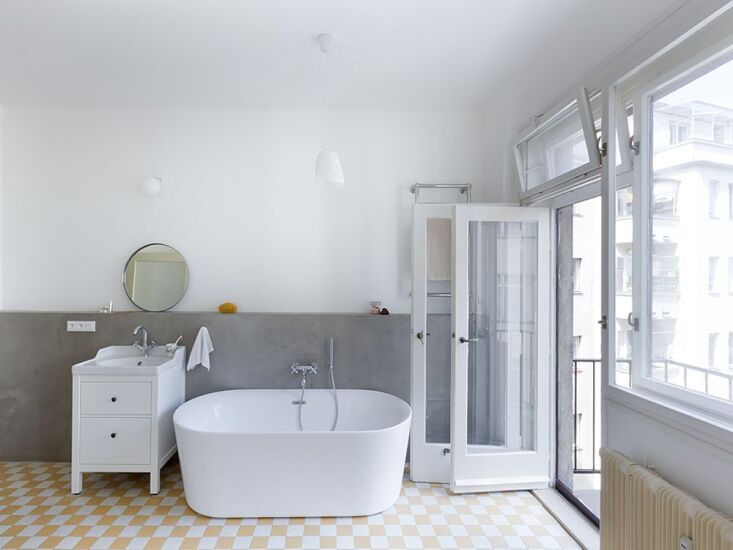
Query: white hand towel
x=200, y=350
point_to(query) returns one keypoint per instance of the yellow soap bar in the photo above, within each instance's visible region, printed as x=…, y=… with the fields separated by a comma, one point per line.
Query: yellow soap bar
x=228, y=307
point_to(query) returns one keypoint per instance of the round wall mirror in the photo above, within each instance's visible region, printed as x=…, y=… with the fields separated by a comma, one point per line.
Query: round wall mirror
x=155, y=277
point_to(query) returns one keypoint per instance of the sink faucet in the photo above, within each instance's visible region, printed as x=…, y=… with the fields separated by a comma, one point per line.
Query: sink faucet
x=144, y=347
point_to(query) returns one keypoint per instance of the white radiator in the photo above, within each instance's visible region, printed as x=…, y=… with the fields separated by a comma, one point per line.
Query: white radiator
x=641, y=511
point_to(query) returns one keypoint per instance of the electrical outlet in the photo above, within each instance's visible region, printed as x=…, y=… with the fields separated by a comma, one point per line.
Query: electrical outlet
x=81, y=326
x=686, y=544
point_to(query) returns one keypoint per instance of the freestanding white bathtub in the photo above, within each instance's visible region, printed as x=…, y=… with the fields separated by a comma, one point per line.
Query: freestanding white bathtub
x=242, y=455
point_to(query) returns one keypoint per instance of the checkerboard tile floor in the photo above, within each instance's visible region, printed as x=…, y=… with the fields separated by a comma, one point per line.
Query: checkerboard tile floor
x=116, y=511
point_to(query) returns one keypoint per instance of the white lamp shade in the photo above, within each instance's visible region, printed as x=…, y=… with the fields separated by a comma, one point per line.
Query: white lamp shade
x=151, y=186
x=328, y=169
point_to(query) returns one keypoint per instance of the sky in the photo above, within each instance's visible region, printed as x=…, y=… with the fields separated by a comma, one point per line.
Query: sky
x=715, y=87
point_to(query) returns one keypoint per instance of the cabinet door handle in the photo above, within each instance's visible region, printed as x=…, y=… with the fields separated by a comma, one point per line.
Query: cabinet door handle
x=114, y=400
x=113, y=435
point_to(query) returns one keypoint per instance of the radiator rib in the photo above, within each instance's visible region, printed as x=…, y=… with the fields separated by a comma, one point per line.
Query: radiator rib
x=641, y=511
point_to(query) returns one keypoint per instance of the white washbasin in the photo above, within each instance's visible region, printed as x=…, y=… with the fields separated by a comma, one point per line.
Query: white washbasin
x=135, y=361
x=129, y=360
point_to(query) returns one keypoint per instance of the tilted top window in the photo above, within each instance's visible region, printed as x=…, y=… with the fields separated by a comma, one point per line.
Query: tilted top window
x=561, y=148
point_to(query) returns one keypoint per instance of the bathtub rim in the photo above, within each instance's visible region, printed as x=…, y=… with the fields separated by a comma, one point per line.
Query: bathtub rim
x=177, y=424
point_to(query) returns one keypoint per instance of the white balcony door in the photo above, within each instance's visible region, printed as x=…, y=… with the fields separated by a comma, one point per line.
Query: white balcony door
x=481, y=409
x=500, y=375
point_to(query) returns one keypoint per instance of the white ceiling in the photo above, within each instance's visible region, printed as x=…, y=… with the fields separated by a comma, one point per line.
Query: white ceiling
x=446, y=54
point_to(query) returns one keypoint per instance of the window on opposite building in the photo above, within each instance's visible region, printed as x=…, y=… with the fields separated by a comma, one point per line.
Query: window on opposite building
x=576, y=346
x=713, y=275
x=713, y=192
x=664, y=201
x=722, y=132
x=625, y=203
x=678, y=132
x=712, y=347
x=576, y=274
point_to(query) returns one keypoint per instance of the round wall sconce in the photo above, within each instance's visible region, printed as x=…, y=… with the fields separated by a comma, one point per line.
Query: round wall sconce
x=151, y=186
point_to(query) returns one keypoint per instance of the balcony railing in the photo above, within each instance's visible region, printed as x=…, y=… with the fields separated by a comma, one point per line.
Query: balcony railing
x=578, y=397
x=669, y=371
x=594, y=398
x=678, y=374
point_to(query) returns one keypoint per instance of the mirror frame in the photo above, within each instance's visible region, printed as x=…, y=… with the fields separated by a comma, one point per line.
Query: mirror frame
x=127, y=265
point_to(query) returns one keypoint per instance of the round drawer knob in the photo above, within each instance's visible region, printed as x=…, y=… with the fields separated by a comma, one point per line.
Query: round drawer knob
x=114, y=400
x=113, y=435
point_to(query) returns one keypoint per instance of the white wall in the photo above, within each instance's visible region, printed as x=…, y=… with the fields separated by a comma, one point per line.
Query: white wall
x=1, y=209
x=239, y=202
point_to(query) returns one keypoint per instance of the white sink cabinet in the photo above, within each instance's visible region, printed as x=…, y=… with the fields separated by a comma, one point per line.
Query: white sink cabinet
x=122, y=412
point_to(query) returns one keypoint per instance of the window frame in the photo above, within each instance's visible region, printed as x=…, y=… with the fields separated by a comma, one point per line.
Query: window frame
x=579, y=97
x=641, y=364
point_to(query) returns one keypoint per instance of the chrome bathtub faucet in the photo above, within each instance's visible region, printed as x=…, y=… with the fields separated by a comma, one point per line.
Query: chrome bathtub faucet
x=305, y=370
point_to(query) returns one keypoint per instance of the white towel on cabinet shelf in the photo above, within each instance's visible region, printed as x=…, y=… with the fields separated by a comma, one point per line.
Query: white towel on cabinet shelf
x=200, y=350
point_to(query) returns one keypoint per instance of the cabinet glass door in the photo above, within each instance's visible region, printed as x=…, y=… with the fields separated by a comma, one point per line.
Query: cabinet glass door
x=431, y=343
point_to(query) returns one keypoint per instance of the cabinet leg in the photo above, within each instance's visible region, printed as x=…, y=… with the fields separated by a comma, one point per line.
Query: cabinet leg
x=77, y=480
x=155, y=482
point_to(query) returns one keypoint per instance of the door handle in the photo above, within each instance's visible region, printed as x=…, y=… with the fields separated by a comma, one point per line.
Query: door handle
x=421, y=336
x=464, y=340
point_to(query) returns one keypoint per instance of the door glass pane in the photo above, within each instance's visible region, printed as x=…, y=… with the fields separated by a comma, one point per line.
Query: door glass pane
x=624, y=285
x=691, y=235
x=555, y=150
x=438, y=334
x=502, y=363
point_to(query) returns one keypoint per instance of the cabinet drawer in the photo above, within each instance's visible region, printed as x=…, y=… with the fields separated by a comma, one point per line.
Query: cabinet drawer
x=110, y=440
x=115, y=398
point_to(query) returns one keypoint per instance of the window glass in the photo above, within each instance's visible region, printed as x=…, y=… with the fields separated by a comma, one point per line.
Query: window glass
x=555, y=150
x=624, y=284
x=691, y=235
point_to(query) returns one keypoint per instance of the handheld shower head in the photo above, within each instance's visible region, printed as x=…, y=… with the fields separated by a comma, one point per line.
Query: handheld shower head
x=330, y=353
